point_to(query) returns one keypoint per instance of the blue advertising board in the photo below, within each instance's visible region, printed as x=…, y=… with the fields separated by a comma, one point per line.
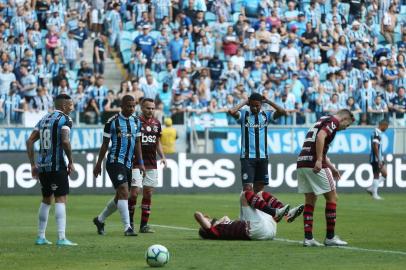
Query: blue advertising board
x=13, y=139
x=290, y=140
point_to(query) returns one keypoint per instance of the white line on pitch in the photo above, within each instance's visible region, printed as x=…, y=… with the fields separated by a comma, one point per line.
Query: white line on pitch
x=296, y=241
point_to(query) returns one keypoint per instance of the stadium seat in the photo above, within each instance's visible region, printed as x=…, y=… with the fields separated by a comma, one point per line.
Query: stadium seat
x=126, y=55
x=235, y=17
x=155, y=34
x=162, y=75
x=236, y=5
x=210, y=17
x=126, y=35
x=323, y=71
x=125, y=44
x=403, y=9
x=129, y=26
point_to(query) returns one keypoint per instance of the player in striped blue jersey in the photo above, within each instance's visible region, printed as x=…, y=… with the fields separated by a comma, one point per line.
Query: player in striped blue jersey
x=254, y=135
x=51, y=169
x=376, y=159
x=123, y=130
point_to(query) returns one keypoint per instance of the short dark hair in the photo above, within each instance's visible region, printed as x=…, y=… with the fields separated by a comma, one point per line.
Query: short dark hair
x=147, y=100
x=62, y=97
x=384, y=122
x=126, y=99
x=256, y=97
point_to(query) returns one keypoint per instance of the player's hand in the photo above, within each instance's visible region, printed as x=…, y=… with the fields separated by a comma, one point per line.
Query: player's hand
x=142, y=169
x=163, y=162
x=317, y=166
x=97, y=170
x=35, y=172
x=336, y=174
x=71, y=168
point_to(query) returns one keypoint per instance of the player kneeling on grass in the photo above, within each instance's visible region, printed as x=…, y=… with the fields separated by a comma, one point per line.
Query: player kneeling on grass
x=316, y=174
x=257, y=220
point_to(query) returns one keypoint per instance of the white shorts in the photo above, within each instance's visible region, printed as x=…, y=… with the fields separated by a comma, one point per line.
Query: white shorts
x=149, y=180
x=320, y=183
x=97, y=16
x=262, y=226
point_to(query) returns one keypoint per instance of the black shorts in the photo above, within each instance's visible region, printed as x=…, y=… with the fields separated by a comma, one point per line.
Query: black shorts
x=56, y=183
x=375, y=167
x=118, y=173
x=254, y=170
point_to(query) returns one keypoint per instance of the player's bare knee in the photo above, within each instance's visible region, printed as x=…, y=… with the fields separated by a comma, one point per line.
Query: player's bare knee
x=247, y=187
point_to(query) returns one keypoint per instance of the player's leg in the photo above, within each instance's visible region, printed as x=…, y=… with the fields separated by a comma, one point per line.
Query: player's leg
x=61, y=192
x=382, y=176
x=373, y=189
x=330, y=213
x=249, y=198
x=43, y=211
x=150, y=181
x=135, y=189
x=306, y=185
x=261, y=174
x=247, y=174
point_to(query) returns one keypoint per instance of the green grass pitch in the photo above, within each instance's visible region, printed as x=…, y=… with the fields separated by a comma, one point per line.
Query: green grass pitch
x=374, y=229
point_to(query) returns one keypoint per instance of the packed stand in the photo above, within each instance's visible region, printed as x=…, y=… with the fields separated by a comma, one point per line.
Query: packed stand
x=202, y=57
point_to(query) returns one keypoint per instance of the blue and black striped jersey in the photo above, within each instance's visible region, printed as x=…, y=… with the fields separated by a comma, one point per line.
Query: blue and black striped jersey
x=51, y=155
x=123, y=133
x=376, y=139
x=254, y=133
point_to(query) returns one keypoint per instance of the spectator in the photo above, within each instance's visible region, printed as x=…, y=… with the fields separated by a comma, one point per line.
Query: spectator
x=71, y=50
x=149, y=88
x=42, y=101
x=178, y=109
x=354, y=108
x=168, y=137
x=111, y=103
x=175, y=48
x=399, y=107
x=91, y=112
x=6, y=78
x=146, y=43
x=377, y=111
x=27, y=84
x=11, y=106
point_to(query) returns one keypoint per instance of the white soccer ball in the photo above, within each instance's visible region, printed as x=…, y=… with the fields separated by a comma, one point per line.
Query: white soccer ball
x=157, y=256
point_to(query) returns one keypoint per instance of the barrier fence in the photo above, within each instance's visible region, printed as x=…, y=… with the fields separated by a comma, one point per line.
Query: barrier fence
x=200, y=173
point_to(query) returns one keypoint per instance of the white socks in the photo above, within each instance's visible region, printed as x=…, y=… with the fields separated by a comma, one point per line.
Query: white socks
x=375, y=185
x=111, y=207
x=60, y=216
x=43, y=214
x=122, y=206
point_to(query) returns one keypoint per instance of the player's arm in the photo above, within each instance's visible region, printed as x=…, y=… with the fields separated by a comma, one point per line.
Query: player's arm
x=202, y=220
x=67, y=148
x=334, y=171
x=30, y=151
x=160, y=151
x=102, y=153
x=375, y=149
x=320, y=140
x=234, y=112
x=279, y=111
x=138, y=152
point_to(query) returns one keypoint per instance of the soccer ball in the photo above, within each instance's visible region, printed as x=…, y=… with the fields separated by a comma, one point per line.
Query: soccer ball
x=157, y=255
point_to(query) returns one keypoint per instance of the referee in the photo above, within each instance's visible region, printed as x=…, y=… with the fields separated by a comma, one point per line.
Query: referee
x=254, y=135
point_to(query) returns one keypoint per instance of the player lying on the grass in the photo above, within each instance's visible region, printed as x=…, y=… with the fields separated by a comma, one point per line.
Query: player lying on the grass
x=376, y=159
x=257, y=219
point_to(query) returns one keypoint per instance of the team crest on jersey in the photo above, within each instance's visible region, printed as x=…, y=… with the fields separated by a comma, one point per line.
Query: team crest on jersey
x=155, y=128
x=148, y=128
x=120, y=177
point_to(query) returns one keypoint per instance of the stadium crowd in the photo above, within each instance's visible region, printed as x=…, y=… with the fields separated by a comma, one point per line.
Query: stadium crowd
x=195, y=56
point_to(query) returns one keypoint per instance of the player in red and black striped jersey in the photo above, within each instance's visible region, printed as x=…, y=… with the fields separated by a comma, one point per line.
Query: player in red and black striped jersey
x=256, y=221
x=150, y=145
x=316, y=174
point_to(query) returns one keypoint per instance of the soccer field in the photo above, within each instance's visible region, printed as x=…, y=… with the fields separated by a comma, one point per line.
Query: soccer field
x=374, y=230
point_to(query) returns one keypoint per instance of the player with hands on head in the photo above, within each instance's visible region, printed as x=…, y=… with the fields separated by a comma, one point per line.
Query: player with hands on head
x=123, y=130
x=316, y=174
x=53, y=133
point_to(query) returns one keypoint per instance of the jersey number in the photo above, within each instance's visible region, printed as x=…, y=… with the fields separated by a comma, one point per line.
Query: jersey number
x=313, y=131
x=45, y=137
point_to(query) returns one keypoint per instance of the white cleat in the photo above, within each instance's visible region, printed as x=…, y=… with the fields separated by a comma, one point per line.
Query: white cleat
x=311, y=243
x=335, y=241
x=377, y=197
x=294, y=213
x=281, y=212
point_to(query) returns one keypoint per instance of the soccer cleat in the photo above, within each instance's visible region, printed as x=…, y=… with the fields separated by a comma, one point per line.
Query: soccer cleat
x=311, y=243
x=335, y=241
x=294, y=213
x=65, y=242
x=99, y=225
x=146, y=229
x=377, y=197
x=42, y=241
x=281, y=212
x=130, y=232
